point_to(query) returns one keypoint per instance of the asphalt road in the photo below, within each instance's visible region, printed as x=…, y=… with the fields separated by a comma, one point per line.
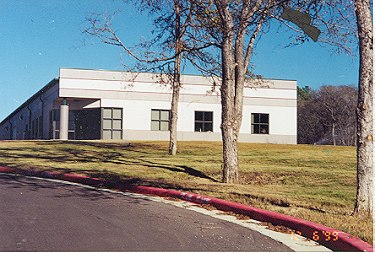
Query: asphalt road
x=39, y=215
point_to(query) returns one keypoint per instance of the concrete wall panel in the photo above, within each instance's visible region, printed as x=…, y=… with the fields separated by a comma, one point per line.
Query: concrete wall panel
x=138, y=94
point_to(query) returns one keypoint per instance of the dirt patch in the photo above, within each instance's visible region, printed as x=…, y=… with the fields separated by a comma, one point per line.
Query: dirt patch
x=207, y=207
x=278, y=228
x=237, y=215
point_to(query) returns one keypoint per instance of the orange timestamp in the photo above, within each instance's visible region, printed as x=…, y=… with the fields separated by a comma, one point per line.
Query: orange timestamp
x=318, y=235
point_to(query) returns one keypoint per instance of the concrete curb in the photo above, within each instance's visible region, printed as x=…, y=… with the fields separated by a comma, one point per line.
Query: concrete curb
x=331, y=238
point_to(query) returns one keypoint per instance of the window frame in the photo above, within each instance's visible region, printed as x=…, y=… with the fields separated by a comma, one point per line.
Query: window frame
x=26, y=132
x=112, y=119
x=40, y=127
x=260, y=124
x=204, y=122
x=160, y=120
x=54, y=124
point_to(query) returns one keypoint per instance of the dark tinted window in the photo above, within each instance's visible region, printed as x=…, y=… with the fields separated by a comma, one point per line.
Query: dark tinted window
x=203, y=121
x=259, y=123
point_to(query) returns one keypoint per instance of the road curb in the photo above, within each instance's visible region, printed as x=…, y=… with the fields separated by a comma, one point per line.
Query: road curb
x=331, y=238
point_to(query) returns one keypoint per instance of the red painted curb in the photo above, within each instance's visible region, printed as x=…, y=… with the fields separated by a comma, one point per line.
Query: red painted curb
x=329, y=237
x=6, y=169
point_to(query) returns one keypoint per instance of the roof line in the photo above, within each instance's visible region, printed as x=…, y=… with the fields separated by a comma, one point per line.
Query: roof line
x=145, y=72
x=46, y=87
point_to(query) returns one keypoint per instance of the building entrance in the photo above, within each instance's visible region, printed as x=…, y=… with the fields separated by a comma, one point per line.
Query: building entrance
x=87, y=124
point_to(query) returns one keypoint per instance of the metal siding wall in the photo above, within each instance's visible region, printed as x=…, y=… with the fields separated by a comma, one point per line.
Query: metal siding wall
x=22, y=118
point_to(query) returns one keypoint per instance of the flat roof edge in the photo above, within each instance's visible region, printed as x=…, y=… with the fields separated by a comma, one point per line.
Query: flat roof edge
x=193, y=75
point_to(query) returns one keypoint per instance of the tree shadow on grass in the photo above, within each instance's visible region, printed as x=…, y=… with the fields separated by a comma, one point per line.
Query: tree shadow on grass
x=123, y=146
x=108, y=153
x=112, y=181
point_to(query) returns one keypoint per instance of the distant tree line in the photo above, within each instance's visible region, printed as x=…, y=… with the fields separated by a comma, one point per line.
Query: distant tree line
x=327, y=115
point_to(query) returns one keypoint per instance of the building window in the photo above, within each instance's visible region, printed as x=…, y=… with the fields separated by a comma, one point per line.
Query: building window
x=34, y=129
x=160, y=120
x=27, y=132
x=72, y=126
x=54, y=124
x=112, y=123
x=203, y=121
x=260, y=123
x=40, y=127
x=14, y=133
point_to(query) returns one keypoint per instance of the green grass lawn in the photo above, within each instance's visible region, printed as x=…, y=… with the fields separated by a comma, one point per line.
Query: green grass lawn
x=316, y=183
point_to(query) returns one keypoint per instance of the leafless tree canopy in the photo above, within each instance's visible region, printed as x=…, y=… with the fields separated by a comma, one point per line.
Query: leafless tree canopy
x=328, y=116
x=236, y=26
x=218, y=37
x=171, y=47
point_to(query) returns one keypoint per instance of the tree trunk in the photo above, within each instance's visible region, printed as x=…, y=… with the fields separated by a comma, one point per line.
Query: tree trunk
x=229, y=130
x=176, y=83
x=230, y=153
x=333, y=132
x=174, y=117
x=364, y=201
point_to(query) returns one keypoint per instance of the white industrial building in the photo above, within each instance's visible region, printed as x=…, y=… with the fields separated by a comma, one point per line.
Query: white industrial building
x=96, y=104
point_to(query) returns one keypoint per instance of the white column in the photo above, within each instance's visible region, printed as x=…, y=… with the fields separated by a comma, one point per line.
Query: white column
x=64, y=120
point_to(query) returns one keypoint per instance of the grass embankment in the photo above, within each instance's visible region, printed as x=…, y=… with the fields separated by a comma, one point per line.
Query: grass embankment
x=315, y=183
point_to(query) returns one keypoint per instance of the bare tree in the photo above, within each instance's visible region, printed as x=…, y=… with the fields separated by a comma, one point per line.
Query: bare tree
x=172, y=21
x=364, y=199
x=343, y=11
x=327, y=116
x=179, y=31
x=236, y=27
x=336, y=109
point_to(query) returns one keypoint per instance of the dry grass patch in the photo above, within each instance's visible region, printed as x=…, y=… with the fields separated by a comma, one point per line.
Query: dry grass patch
x=316, y=183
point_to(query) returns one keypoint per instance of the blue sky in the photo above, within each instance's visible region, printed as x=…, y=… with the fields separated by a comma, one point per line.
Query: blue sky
x=40, y=36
